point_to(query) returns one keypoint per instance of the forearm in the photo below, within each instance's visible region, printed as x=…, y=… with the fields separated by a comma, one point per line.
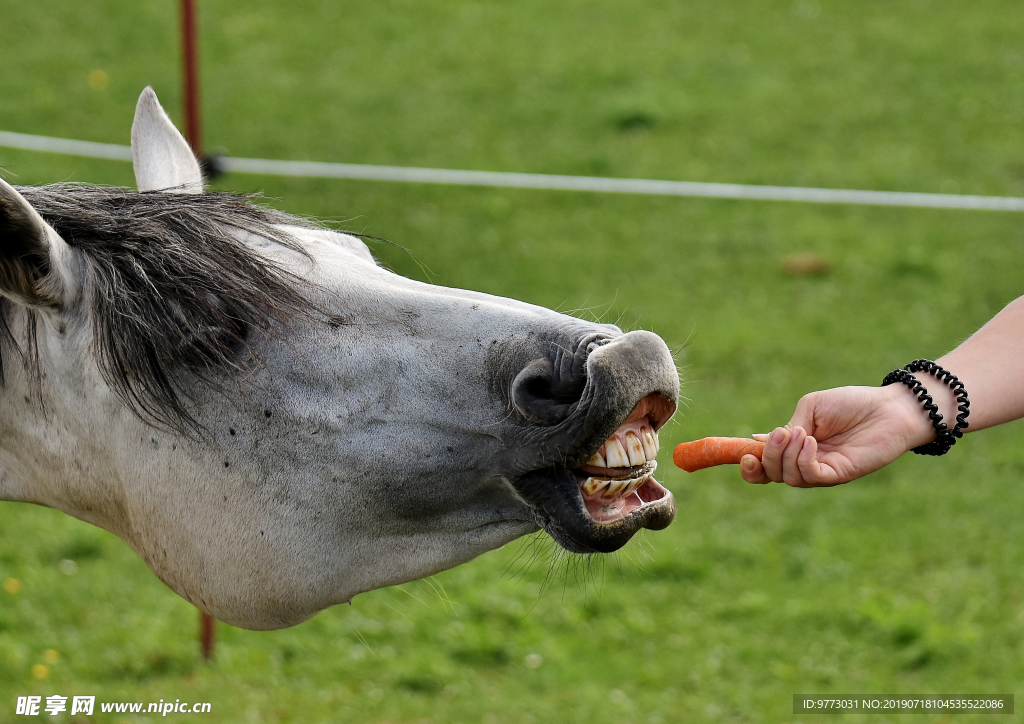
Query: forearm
x=991, y=366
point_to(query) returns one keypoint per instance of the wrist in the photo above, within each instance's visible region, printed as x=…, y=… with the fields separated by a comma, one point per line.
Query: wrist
x=943, y=397
x=914, y=421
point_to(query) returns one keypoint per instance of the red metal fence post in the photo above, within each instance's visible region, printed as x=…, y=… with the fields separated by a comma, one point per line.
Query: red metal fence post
x=190, y=63
x=207, y=634
x=194, y=134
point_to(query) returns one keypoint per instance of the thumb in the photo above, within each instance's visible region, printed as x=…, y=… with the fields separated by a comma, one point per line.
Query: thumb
x=752, y=471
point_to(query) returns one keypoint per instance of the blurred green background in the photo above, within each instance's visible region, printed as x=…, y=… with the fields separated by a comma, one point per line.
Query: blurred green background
x=907, y=582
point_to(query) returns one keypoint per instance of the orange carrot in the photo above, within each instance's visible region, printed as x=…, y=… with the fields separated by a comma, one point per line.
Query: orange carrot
x=711, y=451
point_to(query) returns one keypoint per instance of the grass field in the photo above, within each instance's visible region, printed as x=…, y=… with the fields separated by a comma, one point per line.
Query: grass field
x=908, y=582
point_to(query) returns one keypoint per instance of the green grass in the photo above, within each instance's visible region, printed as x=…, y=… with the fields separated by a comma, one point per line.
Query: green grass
x=907, y=582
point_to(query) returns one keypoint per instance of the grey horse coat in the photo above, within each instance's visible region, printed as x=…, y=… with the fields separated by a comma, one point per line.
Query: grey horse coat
x=274, y=422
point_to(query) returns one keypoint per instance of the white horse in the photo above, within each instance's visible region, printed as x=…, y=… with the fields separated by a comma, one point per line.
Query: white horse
x=274, y=422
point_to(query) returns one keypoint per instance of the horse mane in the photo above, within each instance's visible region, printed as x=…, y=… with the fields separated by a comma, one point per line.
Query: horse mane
x=172, y=289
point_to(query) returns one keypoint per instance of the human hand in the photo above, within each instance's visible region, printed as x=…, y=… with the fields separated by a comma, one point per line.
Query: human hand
x=839, y=435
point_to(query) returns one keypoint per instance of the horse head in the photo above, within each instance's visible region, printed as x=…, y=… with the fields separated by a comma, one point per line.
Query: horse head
x=275, y=422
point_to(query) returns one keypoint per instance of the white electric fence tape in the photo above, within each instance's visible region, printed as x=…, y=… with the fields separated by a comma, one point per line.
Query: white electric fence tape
x=407, y=174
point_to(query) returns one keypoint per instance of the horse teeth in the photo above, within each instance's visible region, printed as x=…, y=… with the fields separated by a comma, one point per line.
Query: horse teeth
x=617, y=489
x=631, y=445
x=650, y=441
x=616, y=454
x=593, y=486
x=635, y=449
x=614, y=489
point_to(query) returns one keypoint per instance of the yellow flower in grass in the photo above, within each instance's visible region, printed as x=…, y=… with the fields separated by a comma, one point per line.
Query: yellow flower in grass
x=98, y=79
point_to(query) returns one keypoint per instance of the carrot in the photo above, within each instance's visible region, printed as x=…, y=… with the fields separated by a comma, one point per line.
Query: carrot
x=711, y=451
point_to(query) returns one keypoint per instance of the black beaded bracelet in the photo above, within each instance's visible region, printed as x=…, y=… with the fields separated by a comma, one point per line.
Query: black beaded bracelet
x=954, y=383
x=945, y=438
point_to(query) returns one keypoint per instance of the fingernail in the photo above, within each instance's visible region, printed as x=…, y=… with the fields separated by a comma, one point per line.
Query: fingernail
x=777, y=436
x=747, y=463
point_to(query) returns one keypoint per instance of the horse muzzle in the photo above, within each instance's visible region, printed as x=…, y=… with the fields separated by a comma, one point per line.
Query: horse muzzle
x=604, y=490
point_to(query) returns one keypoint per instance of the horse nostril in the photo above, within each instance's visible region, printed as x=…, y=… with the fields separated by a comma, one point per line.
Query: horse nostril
x=542, y=396
x=537, y=388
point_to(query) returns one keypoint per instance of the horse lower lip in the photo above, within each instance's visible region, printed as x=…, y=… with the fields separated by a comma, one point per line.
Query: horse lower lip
x=579, y=527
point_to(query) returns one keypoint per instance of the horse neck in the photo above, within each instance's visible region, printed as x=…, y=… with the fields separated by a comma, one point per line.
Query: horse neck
x=44, y=415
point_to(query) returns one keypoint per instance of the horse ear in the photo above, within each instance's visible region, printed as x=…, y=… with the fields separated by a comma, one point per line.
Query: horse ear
x=34, y=260
x=162, y=158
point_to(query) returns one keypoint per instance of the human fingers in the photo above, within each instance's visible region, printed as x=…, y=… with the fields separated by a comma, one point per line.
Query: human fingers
x=813, y=472
x=791, y=474
x=771, y=458
x=752, y=470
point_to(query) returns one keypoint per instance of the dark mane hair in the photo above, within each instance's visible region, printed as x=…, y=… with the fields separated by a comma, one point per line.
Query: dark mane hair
x=171, y=288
